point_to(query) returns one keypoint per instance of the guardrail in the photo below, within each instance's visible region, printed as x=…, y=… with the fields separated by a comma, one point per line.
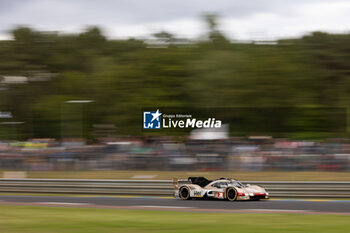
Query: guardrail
x=165, y=188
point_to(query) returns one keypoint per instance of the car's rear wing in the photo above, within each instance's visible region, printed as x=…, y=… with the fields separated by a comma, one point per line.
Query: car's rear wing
x=177, y=182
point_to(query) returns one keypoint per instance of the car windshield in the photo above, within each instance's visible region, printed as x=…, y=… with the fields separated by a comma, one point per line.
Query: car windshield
x=236, y=183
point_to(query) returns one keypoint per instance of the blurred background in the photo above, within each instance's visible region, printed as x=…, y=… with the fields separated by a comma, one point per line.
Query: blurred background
x=74, y=78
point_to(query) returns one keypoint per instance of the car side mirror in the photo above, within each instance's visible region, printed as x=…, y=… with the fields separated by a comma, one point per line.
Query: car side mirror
x=223, y=186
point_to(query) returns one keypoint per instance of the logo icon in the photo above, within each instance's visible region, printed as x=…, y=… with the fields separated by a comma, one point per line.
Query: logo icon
x=151, y=120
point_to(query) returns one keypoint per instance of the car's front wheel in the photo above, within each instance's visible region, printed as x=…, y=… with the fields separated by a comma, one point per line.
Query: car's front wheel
x=231, y=194
x=184, y=193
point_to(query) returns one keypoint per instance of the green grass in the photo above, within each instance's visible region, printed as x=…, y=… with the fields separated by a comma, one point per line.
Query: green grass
x=23, y=219
x=167, y=175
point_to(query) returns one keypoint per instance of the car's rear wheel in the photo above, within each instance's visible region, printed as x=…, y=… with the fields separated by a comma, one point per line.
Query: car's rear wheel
x=231, y=194
x=184, y=193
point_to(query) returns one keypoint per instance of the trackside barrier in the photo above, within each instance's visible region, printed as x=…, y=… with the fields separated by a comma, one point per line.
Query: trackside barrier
x=288, y=189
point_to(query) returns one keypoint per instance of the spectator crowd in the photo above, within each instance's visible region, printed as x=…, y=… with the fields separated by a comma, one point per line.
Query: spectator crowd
x=166, y=153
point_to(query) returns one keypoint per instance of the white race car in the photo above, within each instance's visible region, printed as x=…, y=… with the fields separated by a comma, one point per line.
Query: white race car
x=223, y=188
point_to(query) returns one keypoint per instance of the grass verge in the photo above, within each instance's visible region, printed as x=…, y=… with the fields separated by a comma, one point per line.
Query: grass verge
x=26, y=219
x=167, y=175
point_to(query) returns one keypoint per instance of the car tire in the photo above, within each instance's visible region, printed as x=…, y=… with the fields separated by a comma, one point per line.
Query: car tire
x=184, y=193
x=231, y=194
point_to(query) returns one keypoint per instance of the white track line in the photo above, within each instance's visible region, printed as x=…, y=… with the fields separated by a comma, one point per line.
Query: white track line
x=278, y=210
x=162, y=206
x=62, y=203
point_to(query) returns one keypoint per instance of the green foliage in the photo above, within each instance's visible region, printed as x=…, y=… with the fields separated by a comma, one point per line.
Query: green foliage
x=123, y=76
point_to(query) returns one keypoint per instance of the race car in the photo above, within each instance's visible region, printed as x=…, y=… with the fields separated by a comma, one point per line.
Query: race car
x=224, y=188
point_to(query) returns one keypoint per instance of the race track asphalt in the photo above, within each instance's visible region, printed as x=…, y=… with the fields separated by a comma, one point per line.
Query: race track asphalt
x=162, y=203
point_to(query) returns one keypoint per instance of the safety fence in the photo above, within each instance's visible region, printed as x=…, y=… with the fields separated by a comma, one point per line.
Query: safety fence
x=288, y=189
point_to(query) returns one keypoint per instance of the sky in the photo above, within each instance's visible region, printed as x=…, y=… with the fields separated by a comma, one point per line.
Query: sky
x=239, y=19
